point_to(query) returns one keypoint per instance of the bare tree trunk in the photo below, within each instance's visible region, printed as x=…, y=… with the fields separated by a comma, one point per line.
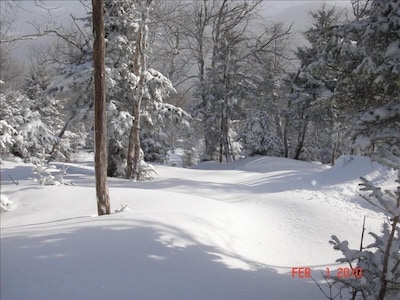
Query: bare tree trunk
x=100, y=121
x=301, y=138
x=335, y=147
x=133, y=162
x=201, y=20
x=221, y=140
x=134, y=138
x=287, y=117
x=133, y=159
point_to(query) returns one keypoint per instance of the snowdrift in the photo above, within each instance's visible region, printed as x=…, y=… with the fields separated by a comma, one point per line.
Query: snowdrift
x=231, y=231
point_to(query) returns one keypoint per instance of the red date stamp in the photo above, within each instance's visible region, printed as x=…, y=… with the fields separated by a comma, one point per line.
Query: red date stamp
x=340, y=273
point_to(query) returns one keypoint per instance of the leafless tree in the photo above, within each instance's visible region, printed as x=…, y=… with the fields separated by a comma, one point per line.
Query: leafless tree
x=360, y=8
x=201, y=36
x=103, y=199
x=11, y=72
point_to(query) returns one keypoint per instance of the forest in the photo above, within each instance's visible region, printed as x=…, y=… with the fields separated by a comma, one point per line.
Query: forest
x=217, y=82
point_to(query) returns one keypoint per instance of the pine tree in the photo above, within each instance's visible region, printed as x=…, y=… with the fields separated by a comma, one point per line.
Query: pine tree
x=224, y=86
x=379, y=261
x=310, y=105
x=258, y=137
x=50, y=108
x=366, y=54
x=367, y=50
x=23, y=133
x=136, y=91
x=122, y=27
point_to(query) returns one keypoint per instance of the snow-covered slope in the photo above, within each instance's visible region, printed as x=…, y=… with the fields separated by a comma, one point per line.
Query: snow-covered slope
x=231, y=231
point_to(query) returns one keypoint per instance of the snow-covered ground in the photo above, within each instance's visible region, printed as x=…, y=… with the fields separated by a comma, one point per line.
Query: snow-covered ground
x=231, y=231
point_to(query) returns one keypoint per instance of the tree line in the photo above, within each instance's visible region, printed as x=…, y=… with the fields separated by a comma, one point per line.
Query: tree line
x=212, y=77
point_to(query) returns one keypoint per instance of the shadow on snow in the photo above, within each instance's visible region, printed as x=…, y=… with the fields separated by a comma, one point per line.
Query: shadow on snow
x=129, y=260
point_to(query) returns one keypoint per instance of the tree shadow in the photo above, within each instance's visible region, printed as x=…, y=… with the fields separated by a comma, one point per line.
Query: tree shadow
x=16, y=173
x=110, y=259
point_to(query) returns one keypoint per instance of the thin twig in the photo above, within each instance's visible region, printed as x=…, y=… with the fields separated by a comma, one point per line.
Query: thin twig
x=362, y=235
x=12, y=179
x=323, y=292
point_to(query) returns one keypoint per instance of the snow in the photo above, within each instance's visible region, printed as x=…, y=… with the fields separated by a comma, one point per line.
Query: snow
x=393, y=50
x=5, y=203
x=216, y=231
x=381, y=113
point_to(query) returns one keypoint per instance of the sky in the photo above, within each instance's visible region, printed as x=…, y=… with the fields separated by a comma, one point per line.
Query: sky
x=27, y=12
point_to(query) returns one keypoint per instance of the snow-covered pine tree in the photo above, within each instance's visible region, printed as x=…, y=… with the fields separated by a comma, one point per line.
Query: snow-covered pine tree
x=379, y=261
x=23, y=132
x=378, y=130
x=50, y=108
x=121, y=28
x=310, y=106
x=258, y=137
x=368, y=49
x=72, y=82
x=9, y=136
x=75, y=79
x=366, y=54
x=261, y=126
x=130, y=80
x=157, y=124
x=224, y=85
x=40, y=72
x=378, y=127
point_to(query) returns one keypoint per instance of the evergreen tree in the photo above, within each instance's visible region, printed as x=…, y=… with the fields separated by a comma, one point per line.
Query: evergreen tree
x=310, y=105
x=224, y=85
x=366, y=53
x=121, y=28
x=122, y=20
x=50, y=108
x=379, y=261
x=258, y=137
x=23, y=132
x=136, y=90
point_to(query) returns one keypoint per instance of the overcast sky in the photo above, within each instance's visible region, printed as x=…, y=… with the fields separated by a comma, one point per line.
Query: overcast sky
x=290, y=11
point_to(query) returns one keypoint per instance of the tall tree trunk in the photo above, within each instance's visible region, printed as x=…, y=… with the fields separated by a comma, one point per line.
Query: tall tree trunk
x=100, y=121
x=278, y=125
x=335, y=148
x=287, y=117
x=221, y=139
x=133, y=159
x=201, y=21
x=301, y=138
x=133, y=162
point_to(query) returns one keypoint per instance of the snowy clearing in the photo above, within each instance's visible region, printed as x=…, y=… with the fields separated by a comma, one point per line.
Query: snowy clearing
x=231, y=231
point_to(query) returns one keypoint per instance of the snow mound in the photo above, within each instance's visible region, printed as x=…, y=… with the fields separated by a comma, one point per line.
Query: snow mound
x=230, y=231
x=350, y=168
x=261, y=164
x=6, y=204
